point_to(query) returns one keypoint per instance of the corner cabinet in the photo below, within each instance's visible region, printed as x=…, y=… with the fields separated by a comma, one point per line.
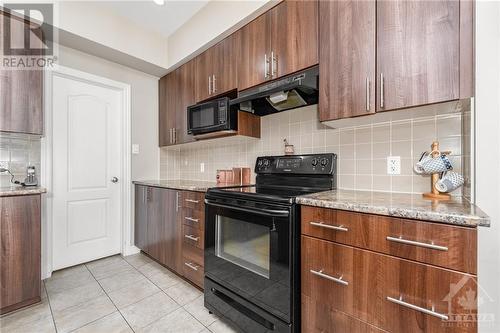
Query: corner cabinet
x=169, y=226
x=281, y=41
x=385, y=55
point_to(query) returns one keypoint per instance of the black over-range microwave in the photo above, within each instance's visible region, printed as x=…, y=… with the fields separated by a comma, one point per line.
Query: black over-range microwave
x=211, y=116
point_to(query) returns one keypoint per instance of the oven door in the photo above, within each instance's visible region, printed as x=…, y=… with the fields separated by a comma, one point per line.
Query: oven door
x=248, y=252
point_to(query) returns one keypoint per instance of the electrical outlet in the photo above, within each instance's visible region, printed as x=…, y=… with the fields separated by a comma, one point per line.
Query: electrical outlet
x=135, y=149
x=202, y=167
x=4, y=165
x=393, y=165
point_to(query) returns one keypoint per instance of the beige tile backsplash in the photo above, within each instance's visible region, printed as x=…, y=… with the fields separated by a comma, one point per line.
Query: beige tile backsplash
x=362, y=150
x=17, y=151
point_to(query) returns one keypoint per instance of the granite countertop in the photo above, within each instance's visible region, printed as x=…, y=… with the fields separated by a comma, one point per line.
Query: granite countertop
x=457, y=211
x=20, y=190
x=187, y=185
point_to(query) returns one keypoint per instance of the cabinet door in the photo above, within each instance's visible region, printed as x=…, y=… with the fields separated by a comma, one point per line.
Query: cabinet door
x=141, y=218
x=294, y=36
x=204, y=71
x=186, y=97
x=417, y=53
x=168, y=95
x=171, y=246
x=155, y=223
x=347, y=58
x=255, y=46
x=225, y=55
x=20, y=251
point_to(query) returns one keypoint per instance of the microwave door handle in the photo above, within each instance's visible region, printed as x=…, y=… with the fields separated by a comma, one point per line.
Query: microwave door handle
x=259, y=211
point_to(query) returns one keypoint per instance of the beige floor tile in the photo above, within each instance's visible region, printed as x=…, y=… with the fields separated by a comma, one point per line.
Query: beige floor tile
x=25, y=316
x=183, y=293
x=150, y=309
x=70, y=297
x=121, y=280
x=43, y=325
x=113, y=323
x=134, y=293
x=198, y=310
x=153, y=268
x=179, y=321
x=82, y=314
x=222, y=327
x=165, y=280
x=68, y=271
x=103, y=271
x=104, y=261
x=138, y=260
x=57, y=284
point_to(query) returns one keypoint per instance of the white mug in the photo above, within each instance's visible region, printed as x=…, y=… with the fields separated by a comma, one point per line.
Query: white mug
x=449, y=181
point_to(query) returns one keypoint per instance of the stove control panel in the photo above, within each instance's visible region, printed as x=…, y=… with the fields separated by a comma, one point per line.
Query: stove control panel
x=297, y=164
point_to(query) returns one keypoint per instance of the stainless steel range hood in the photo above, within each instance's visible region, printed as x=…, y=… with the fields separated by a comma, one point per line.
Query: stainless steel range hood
x=291, y=92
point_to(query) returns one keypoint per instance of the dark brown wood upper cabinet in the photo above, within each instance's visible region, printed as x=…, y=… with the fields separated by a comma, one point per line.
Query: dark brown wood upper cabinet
x=281, y=41
x=21, y=93
x=418, y=53
x=186, y=75
x=168, y=94
x=347, y=58
x=204, y=71
x=294, y=36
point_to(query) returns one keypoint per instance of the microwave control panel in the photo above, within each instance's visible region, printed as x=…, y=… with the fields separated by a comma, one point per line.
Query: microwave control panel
x=222, y=112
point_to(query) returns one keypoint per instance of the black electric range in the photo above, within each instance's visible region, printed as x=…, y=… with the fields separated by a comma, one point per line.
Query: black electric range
x=252, y=242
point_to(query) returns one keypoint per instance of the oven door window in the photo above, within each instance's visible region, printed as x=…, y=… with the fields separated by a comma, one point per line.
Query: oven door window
x=244, y=244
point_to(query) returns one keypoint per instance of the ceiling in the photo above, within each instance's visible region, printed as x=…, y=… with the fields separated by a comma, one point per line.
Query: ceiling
x=164, y=19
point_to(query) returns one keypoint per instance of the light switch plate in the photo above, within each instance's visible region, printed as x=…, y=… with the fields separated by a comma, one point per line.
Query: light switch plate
x=202, y=167
x=135, y=148
x=393, y=165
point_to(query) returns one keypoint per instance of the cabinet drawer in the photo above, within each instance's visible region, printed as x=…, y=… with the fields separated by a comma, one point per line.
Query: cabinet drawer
x=193, y=253
x=194, y=200
x=442, y=245
x=193, y=236
x=318, y=318
x=193, y=271
x=194, y=218
x=391, y=293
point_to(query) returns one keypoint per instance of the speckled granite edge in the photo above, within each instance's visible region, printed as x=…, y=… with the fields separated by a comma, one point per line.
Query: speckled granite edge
x=18, y=191
x=417, y=213
x=185, y=185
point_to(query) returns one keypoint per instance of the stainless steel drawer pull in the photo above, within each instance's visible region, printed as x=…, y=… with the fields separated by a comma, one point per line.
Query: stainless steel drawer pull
x=328, y=277
x=193, y=201
x=367, y=93
x=327, y=226
x=191, y=237
x=191, y=219
x=190, y=265
x=410, y=242
x=417, y=308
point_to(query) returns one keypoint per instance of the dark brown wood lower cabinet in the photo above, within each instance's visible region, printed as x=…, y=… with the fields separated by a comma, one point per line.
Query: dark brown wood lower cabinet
x=169, y=227
x=19, y=251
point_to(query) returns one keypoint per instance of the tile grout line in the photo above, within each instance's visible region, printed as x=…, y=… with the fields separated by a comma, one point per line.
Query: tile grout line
x=50, y=306
x=105, y=292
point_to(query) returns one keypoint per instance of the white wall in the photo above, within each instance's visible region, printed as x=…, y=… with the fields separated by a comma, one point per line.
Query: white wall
x=98, y=24
x=209, y=22
x=487, y=147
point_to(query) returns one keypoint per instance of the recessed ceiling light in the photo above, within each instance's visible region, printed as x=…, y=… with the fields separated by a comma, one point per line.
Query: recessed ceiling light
x=159, y=2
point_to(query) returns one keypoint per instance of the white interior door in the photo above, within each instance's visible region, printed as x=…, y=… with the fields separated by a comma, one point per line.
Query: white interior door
x=86, y=159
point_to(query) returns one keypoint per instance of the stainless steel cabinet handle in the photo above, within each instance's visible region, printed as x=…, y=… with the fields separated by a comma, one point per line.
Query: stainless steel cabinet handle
x=328, y=277
x=170, y=135
x=193, y=201
x=266, y=67
x=214, y=86
x=367, y=94
x=327, y=226
x=175, y=134
x=381, y=90
x=415, y=243
x=190, y=265
x=273, y=60
x=209, y=85
x=176, y=201
x=418, y=308
x=191, y=237
x=191, y=219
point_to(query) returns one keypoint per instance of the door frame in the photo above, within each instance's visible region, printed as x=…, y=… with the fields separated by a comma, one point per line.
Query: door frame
x=125, y=129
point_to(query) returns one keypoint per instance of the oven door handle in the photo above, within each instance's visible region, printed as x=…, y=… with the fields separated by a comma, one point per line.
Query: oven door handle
x=259, y=211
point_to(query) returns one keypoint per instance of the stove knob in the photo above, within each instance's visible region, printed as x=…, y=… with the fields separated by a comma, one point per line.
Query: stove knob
x=259, y=163
x=314, y=162
x=266, y=163
x=324, y=161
